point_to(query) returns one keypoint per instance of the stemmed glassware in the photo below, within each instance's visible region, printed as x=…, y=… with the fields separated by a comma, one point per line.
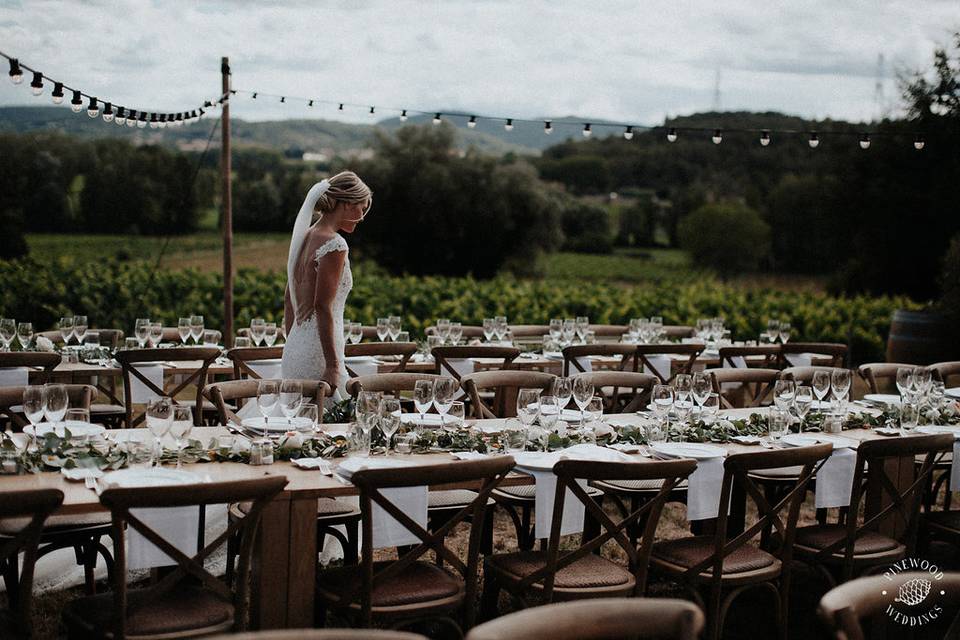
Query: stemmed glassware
x=394, y=327
x=422, y=398
x=368, y=412
x=258, y=327
x=24, y=334
x=66, y=329
x=784, y=332
x=443, y=392
x=180, y=426
x=581, y=325
x=8, y=330
x=80, y=328
x=155, y=335
x=141, y=329
x=710, y=409
x=159, y=418
x=443, y=329
x=582, y=392
x=489, y=329
x=183, y=329
x=662, y=399
x=682, y=390
x=905, y=382
x=922, y=383
x=594, y=412
x=840, y=386
x=270, y=334
x=355, y=334
x=556, y=329
x=783, y=394
x=311, y=413
x=562, y=390
x=802, y=401
x=34, y=407
x=291, y=397
x=268, y=392
x=455, y=333
x=528, y=406
x=821, y=384
x=383, y=329
x=568, y=330
x=773, y=331
x=701, y=387
x=502, y=327
x=389, y=420
x=196, y=328
x=546, y=409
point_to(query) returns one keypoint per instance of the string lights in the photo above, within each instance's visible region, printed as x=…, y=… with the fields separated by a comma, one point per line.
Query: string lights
x=110, y=111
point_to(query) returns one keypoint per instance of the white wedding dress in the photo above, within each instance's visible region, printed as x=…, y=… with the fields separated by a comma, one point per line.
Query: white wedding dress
x=303, y=355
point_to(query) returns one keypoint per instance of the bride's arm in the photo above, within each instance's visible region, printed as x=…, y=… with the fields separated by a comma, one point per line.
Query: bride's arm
x=329, y=268
x=288, y=312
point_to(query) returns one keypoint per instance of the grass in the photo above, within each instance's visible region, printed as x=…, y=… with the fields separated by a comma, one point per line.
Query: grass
x=625, y=266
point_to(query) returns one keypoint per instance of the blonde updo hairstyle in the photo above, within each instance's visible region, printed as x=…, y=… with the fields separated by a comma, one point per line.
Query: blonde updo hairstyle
x=346, y=186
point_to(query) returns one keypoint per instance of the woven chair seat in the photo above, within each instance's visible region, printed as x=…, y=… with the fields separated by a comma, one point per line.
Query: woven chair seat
x=326, y=507
x=181, y=609
x=645, y=486
x=687, y=552
x=12, y=526
x=590, y=571
x=821, y=536
x=421, y=582
x=529, y=491
x=452, y=498
x=945, y=519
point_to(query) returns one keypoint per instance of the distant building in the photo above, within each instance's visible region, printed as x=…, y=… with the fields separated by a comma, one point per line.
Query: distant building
x=313, y=156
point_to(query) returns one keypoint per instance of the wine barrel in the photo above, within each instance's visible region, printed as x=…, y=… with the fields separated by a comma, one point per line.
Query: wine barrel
x=920, y=337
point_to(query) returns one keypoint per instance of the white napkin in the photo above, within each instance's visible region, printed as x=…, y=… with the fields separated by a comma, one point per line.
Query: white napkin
x=176, y=525
x=141, y=393
x=703, y=489
x=955, y=467
x=251, y=410
x=737, y=363
x=469, y=455
x=584, y=363
x=799, y=359
x=267, y=369
x=387, y=532
x=14, y=376
x=313, y=463
x=365, y=367
x=661, y=366
x=835, y=479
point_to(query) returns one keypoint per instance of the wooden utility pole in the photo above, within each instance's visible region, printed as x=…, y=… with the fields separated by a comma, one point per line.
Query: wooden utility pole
x=227, y=204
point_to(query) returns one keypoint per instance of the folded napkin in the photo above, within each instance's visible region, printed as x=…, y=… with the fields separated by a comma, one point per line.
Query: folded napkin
x=799, y=359
x=313, y=463
x=661, y=366
x=703, y=489
x=584, y=364
x=387, y=532
x=469, y=455
x=267, y=369
x=14, y=376
x=955, y=466
x=141, y=393
x=251, y=410
x=368, y=367
x=835, y=479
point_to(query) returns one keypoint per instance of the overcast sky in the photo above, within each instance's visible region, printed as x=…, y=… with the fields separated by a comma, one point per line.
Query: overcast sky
x=624, y=61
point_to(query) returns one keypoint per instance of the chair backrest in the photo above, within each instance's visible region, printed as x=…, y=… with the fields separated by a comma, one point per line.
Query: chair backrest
x=804, y=375
x=222, y=394
x=770, y=354
x=901, y=501
x=243, y=356
x=781, y=516
x=879, y=374
x=404, y=350
x=323, y=634
x=614, y=527
x=46, y=362
x=529, y=330
x=627, y=353
x=442, y=356
x=608, y=330
x=629, y=391
x=488, y=473
x=843, y=607
x=392, y=383
x=598, y=619
x=758, y=383
x=691, y=351
x=675, y=331
x=129, y=358
x=121, y=501
x=505, y=384
x=837, y=352
x=80, y=396
x=37, y=505
x=942, y=371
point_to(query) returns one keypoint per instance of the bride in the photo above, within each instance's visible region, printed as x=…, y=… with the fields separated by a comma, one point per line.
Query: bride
x=319, y=279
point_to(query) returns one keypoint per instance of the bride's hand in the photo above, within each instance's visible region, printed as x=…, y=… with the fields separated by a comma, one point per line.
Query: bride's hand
x=331, y=375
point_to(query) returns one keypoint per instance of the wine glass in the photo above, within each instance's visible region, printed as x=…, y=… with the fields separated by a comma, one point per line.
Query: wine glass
x=291, y=397
x=701, y=387
x=183, y=329
x=502, y=326
x=393, y=327
x=682, y=388
x=784, y=332
x=141, y=329
x=840, y=386
x=443, y=329
x=820, y=384
x=310, y=413
x=568, y=330
x=776, y=425
x=783, y=393
x=268, y=392
x=383, y=329
x=662, y=397
x=802, y=400
x=180, y=427
x=594, y=412
x=545, y=408
x=773, y=330
x=34, y=407
x=422, y=398
x=529, y=405
x=389, y=420
x=710, y=409
x=155, y=336
x=196, y=328
x=556, y=328
x=24, y=334
x=456, y=332
x=258, y=327
x=8, y=330
x=443, y=392
x=356, y=332
x=489, y=329
x=66, y=329
x=582, y=392
x=270, y=333
x=80, y=327
x=580, y=326
x=562, y=390
x=159, y=417
x=905, y=383
x=922, y=380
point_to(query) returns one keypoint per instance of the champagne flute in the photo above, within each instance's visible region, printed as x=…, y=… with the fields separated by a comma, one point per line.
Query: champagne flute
x=141, y=329
x=443, y=392
x=422, y=398
x=268, y=392
x=582, y=392
x=66, y=329
x=820, y=384
x=24, y=334
x=196, y=328
x=383, y=329
x=183, y=329
x=802, y=400
x=180, y=426
x=8, y=330
x=80, y=327
x=258, y=327
x=389, y=420
x=905, y=383
x=291, y=397
x=159, y=417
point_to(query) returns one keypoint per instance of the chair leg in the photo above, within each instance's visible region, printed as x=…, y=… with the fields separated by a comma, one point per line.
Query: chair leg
x=489, y=597
x=11, y=578
x=526, y=536
x=89, y=565
x=486, y=536
x=714, y=617
x=351, y=551
x=231, y=559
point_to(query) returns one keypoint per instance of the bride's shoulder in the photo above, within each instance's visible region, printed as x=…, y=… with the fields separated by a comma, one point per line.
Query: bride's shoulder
x=322, y=244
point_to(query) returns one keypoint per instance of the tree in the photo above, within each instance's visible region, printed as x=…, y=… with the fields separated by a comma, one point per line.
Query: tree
x=729, y=237
x=586, y=227
x=12, y=242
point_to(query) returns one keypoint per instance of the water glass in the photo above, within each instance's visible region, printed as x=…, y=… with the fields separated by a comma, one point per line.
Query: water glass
x=802, y=401
x=24, y=334
x=139, y=452
x=308, y=415
x=662, y=398
x=514, y=436
x=383, y=330
x=777, y=425
x=710, y=409
x=909, y=416
x=211, y=337
x=180, y=427
x=456, y=413
x=55, y=402
x=66, y=329
x=258, y=328
x=290, y=399
x=183, y=329
x=404, y=443
x=656, y=431
x=159, y=417
x=78, y=415
x=390, y=419
x=270, y=333
x=141, y=329
x=196, y=328
x=403, y=336
x=241, y=342
x=528, y=405
x=8, y=330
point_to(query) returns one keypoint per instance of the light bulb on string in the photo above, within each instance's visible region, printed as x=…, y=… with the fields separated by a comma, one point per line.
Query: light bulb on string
x=509, y=125
x=340, y=108
x=717, y=136
x=121, y=117
x=372, y=109
x=548, y=127
x=764, y=138
x=142, y=122
x=472, y=122
x=436, y=118
x=154, y=122
x=310, y=104
x=254, y=96
x=283, y=99
x=403, y=116
x=628, y=133
x=202, y=113
x=865, y=141
x=919, y=143
x=57, y=94
x=92, y=109
x=814, y=140
x=76, y=103
x=132, y=118
x=107, y=112
x=162, y=123
x=671, y=134
x=179, y=121
x=16, y=73
x=36, y=85
x=587, y=130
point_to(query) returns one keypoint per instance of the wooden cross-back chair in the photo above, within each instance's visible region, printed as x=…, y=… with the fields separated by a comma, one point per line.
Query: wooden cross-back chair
x=718, y=562
x=34, y=507
x=755, y=386
x=402, y=350
x=622, y=391
x=572, y=355
x=243, y=356
x=189, y=601
x=835, y=351
x=608, y=331
x=691, y=351
x=942, y=371
x=764, y=356
x=394, y=384
x=529, y=331
x=110, y=338
x=581, y=572
x=598, y=619
x=505, y=385
x=128, y=360
x=80, y=396
x=678, y=331
x=854, y=546
x=879, y=376
x=225, y=394
x=45, y=362
x=409, y=589
x=845, y=608
x=442, y=356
